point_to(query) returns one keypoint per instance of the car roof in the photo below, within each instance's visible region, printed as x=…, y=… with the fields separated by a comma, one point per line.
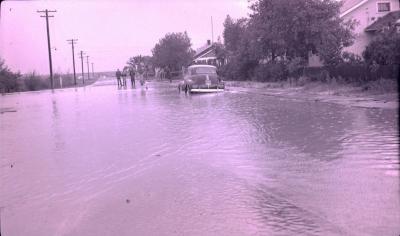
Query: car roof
x=197, y=66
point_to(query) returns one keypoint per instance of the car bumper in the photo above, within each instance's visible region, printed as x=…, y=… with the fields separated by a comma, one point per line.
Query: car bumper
x=203, y=86
x=206, y=90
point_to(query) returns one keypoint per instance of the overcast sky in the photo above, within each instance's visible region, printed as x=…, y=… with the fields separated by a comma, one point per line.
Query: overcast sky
x=108, y=31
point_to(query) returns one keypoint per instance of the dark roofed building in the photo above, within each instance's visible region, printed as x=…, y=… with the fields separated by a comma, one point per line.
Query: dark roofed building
x=207, y=55
x=389, y=20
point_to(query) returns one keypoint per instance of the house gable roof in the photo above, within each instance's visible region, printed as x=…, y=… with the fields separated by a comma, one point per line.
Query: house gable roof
x=203, y=51
x=389, y=19
x=351, y=5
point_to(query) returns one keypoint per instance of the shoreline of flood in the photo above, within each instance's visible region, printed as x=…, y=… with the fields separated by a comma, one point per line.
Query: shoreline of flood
x=344, y=94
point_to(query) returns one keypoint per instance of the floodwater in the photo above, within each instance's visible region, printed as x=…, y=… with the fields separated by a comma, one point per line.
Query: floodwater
x=106, y=161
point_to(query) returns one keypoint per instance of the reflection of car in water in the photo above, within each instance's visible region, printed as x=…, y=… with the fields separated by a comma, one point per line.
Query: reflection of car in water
x=201, y=79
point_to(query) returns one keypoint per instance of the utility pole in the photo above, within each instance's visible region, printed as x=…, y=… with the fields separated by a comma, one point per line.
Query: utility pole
x=92, y=70
x=48, y=43
x=73, y=41
x=83, y=75
x=87, y=63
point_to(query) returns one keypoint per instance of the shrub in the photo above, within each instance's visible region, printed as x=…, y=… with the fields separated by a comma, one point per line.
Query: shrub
x=384, y=49
x=238, y=69
x=271, y=72
x=295, y=67
x=8, y=79
x=303, y=80
x=33, y=82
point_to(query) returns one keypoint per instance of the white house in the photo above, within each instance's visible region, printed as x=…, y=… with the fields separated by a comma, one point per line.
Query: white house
x=371, y=16
x=368, y=13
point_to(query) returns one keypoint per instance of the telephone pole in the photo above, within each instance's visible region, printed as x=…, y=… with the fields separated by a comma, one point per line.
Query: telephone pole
x=83, y=75
x=87, y=63
x=73, y=41
x=92, y=70
x=48, y=43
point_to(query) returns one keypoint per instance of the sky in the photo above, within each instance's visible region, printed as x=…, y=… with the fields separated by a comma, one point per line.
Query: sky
x=109, y=32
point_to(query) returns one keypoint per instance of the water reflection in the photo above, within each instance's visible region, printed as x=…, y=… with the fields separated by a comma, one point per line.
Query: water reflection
x=58, y=139
x=222, y=164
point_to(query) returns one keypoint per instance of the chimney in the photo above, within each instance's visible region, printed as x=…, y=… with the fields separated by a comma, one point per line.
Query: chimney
x=208, y=42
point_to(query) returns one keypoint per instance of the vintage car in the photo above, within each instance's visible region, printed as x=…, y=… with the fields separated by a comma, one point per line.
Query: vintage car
x=201, y=79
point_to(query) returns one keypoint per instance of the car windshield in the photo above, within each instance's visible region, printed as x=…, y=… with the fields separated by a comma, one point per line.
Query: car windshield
x=202, y=70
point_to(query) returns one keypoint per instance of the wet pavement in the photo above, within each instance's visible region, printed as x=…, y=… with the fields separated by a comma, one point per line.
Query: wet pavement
x=105, y=161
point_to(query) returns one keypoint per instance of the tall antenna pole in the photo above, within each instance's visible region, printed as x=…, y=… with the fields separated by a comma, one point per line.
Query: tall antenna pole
x=73, y=41
x=48, y=43
x=87, y=63
x=212, y=31
x=83, y=75
x=92, y=70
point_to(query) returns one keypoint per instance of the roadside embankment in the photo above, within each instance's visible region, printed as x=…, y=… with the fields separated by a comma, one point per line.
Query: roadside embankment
x=375, y=94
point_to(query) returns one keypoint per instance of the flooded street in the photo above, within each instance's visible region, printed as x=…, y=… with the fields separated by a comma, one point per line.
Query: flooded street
x=106, y=161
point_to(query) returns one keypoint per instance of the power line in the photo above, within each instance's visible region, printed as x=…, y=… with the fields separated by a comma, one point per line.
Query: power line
x=73, y=41
x=92, y=70
x=48, y=43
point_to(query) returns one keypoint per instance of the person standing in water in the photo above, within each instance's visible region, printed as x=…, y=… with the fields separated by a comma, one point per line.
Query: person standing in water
x=132, y=75
x=168, y=74
x=118, y=75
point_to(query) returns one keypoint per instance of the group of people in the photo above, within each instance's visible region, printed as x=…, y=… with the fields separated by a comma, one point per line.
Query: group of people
x=121, y=77
x=141, y=73
x=165, y=73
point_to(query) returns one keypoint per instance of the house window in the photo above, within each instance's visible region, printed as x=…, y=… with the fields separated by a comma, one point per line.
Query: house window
x=383, y=6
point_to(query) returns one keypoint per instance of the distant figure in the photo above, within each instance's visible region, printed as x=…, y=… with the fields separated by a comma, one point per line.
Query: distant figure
x=118, y=74
x=168, y=74
x=132, y=75
x=124, y=78
x=161, y=72
x=146, y=71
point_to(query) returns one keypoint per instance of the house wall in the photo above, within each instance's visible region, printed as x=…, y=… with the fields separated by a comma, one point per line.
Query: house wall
x=365, y=16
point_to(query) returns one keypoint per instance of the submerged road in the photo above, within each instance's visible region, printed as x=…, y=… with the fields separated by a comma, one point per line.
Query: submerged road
x=105, y=161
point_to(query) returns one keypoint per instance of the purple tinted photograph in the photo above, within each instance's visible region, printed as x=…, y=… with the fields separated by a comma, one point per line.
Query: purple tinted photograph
x=189, y=117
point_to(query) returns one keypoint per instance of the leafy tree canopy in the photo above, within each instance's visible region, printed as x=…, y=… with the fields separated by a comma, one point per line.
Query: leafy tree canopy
x=8, y=79
x=174, y=51
x=290, y=29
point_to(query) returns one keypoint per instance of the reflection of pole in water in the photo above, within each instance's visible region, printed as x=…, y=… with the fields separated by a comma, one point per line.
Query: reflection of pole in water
x=55, y=110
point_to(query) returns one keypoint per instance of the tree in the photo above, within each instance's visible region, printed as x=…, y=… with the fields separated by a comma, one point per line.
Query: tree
x=384, y=49
x=174, y=51
x=136, y=60
x=8, y=79
x=281, y=34
x=233, y=33
x=287, y=29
